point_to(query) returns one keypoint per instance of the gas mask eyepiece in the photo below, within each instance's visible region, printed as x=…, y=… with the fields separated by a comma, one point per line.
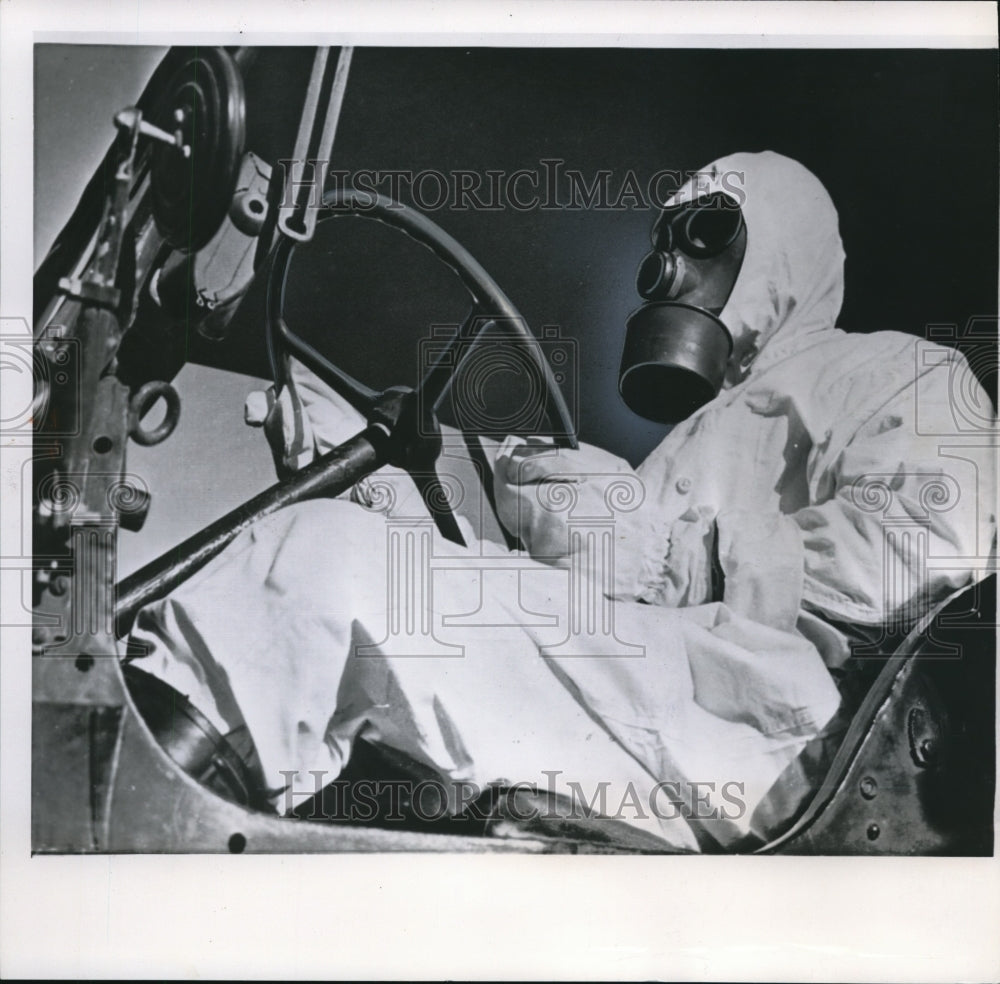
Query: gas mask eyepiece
x=676, y=348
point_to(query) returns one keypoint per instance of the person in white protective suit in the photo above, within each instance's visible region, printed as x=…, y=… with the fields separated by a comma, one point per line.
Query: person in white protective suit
x=750, y=550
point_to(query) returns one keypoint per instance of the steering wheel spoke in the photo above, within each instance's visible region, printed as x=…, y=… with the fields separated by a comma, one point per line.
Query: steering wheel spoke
x=435, y=496
x=437, y=381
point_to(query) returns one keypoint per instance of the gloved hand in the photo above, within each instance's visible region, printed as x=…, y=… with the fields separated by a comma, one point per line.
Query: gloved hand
x=306, y=419
x=545, y=495
x=302, y=420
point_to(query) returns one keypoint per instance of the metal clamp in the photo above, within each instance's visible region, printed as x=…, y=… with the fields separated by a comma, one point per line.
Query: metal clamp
x=91, y=291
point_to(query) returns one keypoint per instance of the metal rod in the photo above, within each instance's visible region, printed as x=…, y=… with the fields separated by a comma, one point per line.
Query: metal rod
x=297, y=215
x=329, y=475
x=307, y=124
x=335, y=104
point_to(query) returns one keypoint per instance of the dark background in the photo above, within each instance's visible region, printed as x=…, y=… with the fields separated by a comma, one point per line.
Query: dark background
x=904, y=140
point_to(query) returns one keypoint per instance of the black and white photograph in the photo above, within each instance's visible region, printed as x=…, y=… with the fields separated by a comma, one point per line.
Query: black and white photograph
x=439, y=447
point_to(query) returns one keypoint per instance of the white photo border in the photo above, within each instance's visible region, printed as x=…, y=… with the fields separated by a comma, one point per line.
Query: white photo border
x=421, y=917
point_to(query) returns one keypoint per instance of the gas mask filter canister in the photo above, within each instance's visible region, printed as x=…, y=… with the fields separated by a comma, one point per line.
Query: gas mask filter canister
x=676, y=348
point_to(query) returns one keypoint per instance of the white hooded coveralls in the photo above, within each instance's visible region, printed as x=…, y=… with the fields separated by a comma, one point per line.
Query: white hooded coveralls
x=829, y=475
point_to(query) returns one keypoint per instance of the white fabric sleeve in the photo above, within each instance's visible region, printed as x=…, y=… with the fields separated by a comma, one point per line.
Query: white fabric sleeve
x=676, y=561
x=903, y=516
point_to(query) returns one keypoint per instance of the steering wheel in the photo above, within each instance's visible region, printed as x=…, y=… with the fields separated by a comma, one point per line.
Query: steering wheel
x=490, y=307
x=398, y=418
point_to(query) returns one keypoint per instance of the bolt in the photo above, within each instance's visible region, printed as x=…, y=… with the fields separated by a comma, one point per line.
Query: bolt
x=180, y=119
x=869, y=788
x=129, y=118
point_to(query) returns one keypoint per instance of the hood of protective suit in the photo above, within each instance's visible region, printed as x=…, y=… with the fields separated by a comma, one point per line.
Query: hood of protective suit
x=792, y=279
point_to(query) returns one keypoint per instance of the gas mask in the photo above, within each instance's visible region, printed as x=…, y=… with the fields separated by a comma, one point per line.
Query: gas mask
x=676, y=348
